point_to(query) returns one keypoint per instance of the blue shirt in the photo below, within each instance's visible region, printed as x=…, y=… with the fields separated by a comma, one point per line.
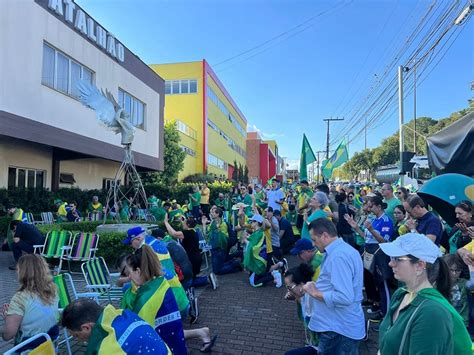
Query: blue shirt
x=384, y=226
x=340, y=281
x=430, y=224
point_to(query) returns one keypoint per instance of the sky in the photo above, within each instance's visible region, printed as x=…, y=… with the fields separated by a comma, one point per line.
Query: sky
x=326, y=57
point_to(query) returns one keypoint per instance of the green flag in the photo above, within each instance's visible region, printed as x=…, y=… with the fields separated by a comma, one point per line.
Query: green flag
x=339, y=157
x=307, y=157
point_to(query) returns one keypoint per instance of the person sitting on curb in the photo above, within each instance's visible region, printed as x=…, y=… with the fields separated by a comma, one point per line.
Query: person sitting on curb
x=109, y=330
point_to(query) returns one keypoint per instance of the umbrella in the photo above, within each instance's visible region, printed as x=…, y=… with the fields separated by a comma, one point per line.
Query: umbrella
x=443, y=192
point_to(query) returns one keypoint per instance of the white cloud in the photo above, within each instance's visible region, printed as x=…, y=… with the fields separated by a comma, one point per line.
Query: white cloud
x=264, y=135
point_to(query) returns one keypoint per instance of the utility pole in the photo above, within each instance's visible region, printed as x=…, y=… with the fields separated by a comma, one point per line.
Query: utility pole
x=400, y=118
x=414, y=108
x=327, y=134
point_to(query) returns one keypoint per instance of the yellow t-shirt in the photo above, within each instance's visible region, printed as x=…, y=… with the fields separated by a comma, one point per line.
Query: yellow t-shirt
x=328, y=212
x=469, y=247
x=205, y=196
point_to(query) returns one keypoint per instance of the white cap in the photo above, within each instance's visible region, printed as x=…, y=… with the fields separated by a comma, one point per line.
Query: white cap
x=257, y=218
x=418, y=245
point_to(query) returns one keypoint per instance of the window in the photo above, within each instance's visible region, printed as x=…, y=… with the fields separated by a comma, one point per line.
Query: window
x=185, y=129
x=188, y=151
x=25, y=178
x=180, y=87
x=215, y=161
x=107, y=183
x=221, y=106
x=229, y=140
x=134, y=107
x=61, y=72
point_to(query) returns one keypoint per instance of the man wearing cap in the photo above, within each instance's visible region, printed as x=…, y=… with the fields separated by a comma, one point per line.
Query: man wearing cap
x=308, y=254
x=275, y=196
x=336, y=296
x=420, y=318
x=17, y=215
x=136, y=237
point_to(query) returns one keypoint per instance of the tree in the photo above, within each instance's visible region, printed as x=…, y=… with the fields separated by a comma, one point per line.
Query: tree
x=173, y=158
x=240, y=173
x=235, y=172
x=246, y=174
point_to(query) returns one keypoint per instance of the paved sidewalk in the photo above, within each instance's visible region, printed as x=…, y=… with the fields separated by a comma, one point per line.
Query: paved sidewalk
x=247, y=320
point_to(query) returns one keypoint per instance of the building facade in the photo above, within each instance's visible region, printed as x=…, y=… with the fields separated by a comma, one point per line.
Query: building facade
x=211, y=125
x=261, y=158
x=47, y=137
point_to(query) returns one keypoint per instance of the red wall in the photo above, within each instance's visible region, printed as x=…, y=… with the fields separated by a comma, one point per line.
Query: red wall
x=264, y=163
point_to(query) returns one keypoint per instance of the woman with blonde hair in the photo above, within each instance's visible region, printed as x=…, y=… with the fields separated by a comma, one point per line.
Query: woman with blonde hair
x=33, y=308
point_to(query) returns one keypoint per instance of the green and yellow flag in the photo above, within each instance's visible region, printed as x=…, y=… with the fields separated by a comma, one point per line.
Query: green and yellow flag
x=307, y=157
x=339, y=157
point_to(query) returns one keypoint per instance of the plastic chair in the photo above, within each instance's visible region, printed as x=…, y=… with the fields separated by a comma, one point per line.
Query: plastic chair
x=205, y=248
x=98, y=278
x=55, y=246
x=82, y=248
x=95, y=216
x=45, y=348
x=65, y=284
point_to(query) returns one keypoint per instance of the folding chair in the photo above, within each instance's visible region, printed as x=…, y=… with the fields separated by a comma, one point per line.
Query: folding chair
x=98, y=278
x=30, y=219
x=95, y=216
x=46, y=347
x=54, y=246
x=47, y=218
x=65, y=283
x=204, y=246
x=82, y=248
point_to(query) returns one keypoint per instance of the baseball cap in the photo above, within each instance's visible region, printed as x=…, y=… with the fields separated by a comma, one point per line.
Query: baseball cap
x=301, y=245
x=132, y=233
x=418, y=245
x=256, y=218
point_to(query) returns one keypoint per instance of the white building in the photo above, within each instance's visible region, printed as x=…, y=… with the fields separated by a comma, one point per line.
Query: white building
x=47, y=137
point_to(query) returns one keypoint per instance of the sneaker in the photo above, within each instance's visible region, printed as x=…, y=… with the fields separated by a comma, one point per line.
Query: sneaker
x=213, y=280
x=285, y=265
x=278, y=279
x=12, y=267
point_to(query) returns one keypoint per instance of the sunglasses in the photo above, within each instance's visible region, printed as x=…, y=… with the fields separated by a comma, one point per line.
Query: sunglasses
x=398, y=259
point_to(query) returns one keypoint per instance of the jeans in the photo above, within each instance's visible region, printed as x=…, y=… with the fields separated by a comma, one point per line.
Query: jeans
x=220, y=266
x=332, y=343
x=21, y=246
x=200, y=281
x=307, y=350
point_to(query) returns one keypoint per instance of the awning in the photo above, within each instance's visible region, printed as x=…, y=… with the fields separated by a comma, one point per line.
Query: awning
x=66, y=178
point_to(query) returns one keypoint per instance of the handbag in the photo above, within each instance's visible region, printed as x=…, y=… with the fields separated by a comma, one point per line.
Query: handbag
x=369, y=260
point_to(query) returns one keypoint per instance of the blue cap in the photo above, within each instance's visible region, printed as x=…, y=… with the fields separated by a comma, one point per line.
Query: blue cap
x=302, y=245
x=132, y=233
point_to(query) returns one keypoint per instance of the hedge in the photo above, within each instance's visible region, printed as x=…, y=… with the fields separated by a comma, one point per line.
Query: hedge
x=41, y=200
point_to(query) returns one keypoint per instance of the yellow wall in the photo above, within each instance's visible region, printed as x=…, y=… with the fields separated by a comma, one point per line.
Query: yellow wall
x=217, y=145
x=186, y=108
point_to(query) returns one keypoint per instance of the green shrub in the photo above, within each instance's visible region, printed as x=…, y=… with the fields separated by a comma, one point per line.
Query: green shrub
x=4, y=222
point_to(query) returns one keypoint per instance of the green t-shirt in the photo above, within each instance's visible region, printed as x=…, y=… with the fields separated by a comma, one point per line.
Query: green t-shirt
x=315, y=215
x=428, y=325
x=391, y=204
x=197, y=197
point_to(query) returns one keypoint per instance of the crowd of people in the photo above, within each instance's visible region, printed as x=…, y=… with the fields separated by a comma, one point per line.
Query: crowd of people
x=366, y=252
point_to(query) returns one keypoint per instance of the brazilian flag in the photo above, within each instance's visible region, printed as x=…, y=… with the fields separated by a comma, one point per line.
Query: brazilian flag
x=159, y=247
x=307, y=157
x=255, y=256
x=120, y=332
x=155, y=303
x=339, y=157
